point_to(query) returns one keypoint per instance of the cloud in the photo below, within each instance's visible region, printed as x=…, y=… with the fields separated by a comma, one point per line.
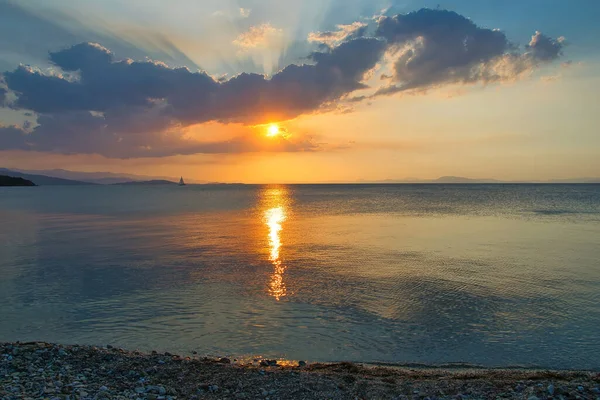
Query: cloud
x=344, y=32
x=434, y=47
x=245, y=12
x=107, y=85
x=545, y=48
x=92, y=102
x=261, y=36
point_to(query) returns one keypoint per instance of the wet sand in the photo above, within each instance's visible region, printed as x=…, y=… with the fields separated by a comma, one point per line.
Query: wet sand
x=50, y=371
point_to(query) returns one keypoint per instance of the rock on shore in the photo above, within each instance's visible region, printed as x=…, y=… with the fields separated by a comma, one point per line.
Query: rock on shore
x=49, y=371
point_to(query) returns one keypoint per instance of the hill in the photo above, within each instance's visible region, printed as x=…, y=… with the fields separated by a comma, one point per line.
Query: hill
x=12, y=181
x=102, y=178
x=42, y=180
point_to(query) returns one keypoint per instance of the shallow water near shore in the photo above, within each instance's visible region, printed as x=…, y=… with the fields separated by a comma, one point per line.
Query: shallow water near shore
x=496, y=275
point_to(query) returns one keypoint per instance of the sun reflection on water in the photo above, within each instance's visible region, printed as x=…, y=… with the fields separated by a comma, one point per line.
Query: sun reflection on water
x=274, y=217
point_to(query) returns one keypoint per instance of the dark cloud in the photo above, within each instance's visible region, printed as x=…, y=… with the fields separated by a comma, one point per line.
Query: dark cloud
x=193, y=97
x=545, y=48
x=103, y=83
x=433, y=47
x=93, y=102
x=3, y=93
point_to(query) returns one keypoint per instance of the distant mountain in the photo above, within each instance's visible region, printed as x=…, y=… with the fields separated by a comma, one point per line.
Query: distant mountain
x=151, y=182
x=443, y=179
x=42, y=180
x=102, y=178
x=12, y=181
x=463, y=180
x=460, y=179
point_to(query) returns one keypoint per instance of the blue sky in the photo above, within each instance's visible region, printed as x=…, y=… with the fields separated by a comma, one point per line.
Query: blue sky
x=504, y=110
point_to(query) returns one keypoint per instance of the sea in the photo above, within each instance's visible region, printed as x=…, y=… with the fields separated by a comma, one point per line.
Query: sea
x=493, y=275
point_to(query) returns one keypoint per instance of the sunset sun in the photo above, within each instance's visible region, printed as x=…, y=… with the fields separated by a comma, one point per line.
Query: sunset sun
x=273, y=130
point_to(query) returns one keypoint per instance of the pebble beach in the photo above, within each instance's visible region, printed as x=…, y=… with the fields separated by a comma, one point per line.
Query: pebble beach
x=39, y=370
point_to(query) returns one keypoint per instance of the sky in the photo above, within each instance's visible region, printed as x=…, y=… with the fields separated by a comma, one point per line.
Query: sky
x=278, y=91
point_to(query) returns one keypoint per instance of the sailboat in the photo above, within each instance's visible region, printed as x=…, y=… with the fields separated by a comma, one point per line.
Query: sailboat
x=181, y=182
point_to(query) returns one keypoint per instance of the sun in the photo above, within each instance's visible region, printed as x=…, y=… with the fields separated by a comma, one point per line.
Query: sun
x=273, y=130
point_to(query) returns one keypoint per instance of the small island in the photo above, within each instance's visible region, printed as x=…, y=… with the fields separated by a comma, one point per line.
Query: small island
x=12, y=181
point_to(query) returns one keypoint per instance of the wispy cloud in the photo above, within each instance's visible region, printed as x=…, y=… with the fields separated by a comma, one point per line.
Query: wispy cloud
x=344, y=32
x=260, y=36
x=245, y=12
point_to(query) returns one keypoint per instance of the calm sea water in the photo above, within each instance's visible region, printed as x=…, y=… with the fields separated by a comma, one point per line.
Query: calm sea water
x=489, y=274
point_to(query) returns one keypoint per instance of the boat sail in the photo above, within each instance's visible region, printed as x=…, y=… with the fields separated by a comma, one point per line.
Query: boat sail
x=181, y=182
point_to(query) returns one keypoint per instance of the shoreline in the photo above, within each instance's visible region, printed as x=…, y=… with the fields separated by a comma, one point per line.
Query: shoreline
x=51, y=371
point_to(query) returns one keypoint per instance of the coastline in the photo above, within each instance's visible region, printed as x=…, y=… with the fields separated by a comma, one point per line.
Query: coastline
x=50, y=371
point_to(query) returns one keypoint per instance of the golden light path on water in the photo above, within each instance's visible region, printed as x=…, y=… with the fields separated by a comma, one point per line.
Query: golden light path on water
x=274, y=218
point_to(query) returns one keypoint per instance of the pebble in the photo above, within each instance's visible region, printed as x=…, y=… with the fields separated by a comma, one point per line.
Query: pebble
x=156, y=390
x=520, y=388
x=84, y=373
